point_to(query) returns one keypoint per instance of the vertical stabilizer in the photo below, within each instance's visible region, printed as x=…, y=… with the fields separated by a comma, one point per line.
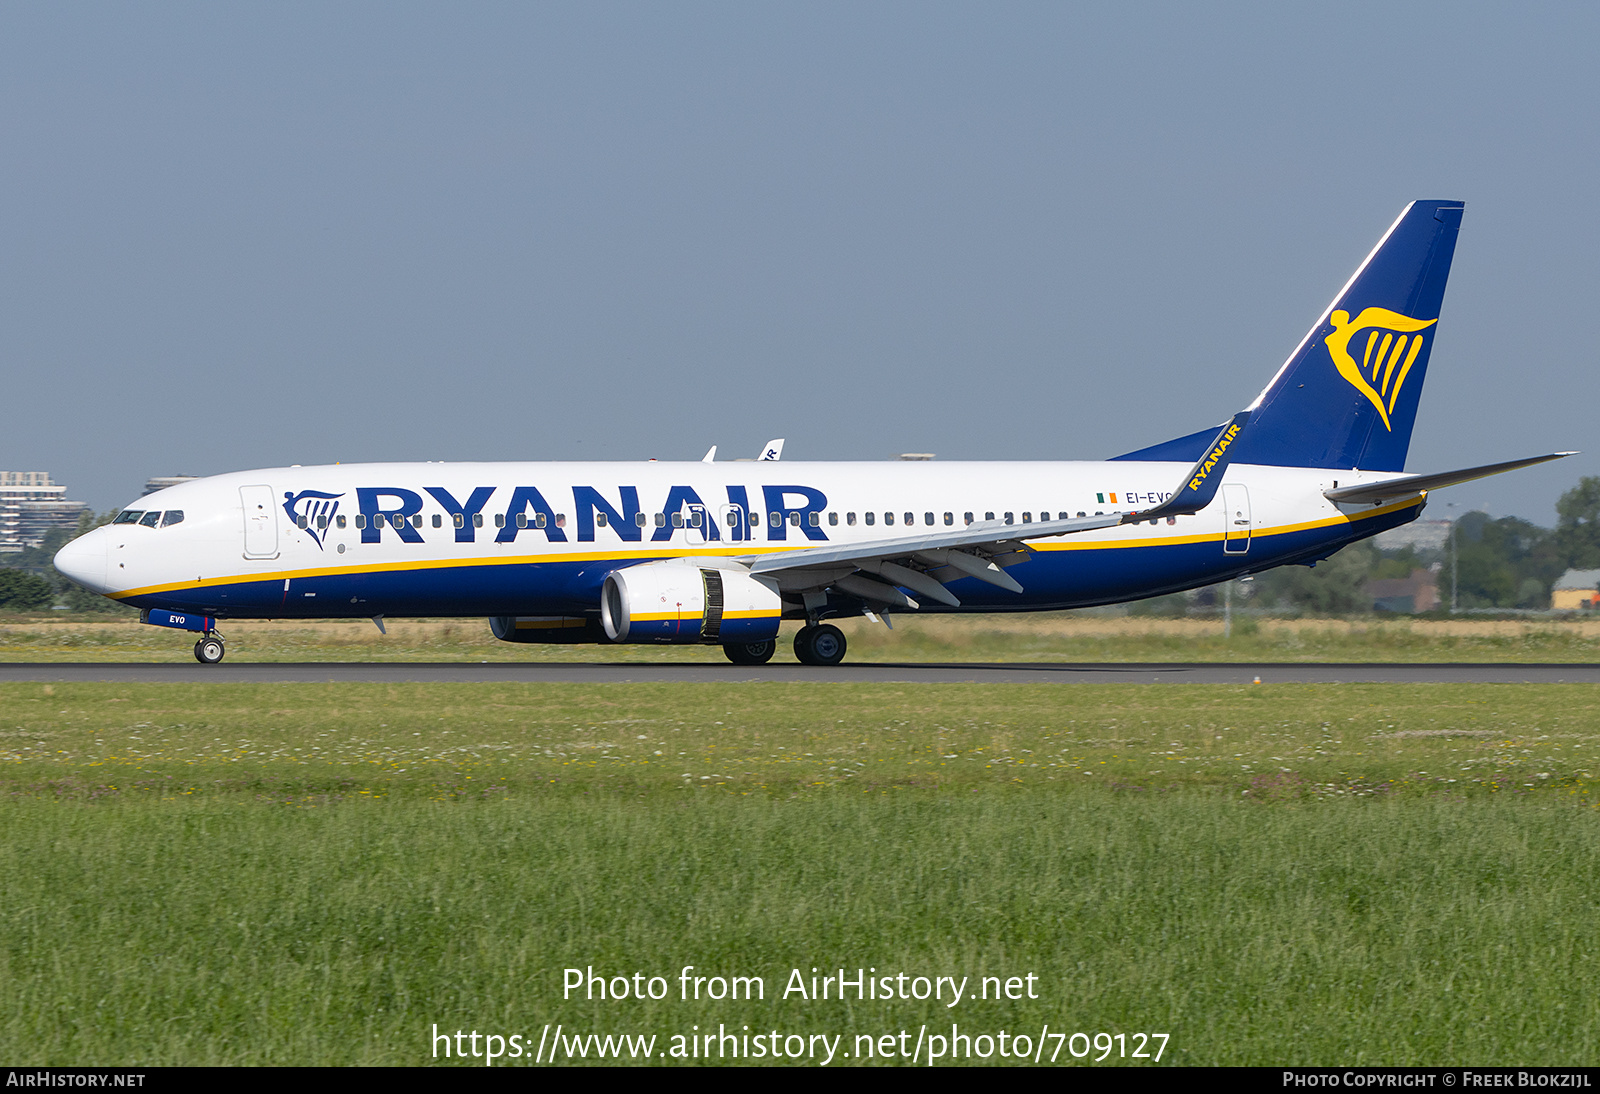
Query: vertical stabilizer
x=1347, y=396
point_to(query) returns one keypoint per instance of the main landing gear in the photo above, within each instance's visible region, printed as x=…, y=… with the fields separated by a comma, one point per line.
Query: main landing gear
x=819, y=644
x=209, y=650
x=750, y=653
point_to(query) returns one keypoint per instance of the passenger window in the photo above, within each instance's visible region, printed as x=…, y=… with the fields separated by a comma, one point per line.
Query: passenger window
x=499, y=520
x=888, y=518
x=1172, y=520
x=175, y=516
x=966, y=517
x=949, y=518
x=561, y=520
x=322, y=523
x=639, y=521
x=927, y=518
x=1009, y=519
x=416, y=520
x=661, y=520
x=850, y=518
x=911, y=518
x=339, y=520
x=361, y=520
x=459, y=521
x=677, y=520
x=438, y=521
x=1027, y=518
x=871, y=517
x=599, y=520
x=694, y=519
x=129, y=516
x=299, y=520
x=522, y=520
x=775, y=520
x=1081, y=513
x=833, y=518
x=814, y=519
x=539, y=520
x=794, y=519
x=477, y=520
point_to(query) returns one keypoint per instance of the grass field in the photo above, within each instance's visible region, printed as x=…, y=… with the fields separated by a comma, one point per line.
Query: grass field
x=1269, y=874
x=1051, y=636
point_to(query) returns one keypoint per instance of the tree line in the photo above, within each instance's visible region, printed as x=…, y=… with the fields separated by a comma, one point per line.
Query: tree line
x=1495, y=562
x=30, y=583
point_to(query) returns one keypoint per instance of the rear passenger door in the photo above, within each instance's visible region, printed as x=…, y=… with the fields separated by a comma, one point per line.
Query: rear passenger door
x=1236, y=515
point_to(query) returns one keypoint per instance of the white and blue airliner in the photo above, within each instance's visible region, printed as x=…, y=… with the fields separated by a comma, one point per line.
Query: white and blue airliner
x=720, y=553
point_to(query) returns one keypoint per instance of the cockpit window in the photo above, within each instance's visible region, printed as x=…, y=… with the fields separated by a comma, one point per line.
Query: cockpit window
x=151, y=519
x=128, y=516
x=171, y=517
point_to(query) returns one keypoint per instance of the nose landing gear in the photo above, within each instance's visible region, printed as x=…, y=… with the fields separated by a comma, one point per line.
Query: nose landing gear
x=209, y=650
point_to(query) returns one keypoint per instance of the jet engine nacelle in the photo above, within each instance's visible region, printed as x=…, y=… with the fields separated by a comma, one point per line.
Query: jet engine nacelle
x=677, y=601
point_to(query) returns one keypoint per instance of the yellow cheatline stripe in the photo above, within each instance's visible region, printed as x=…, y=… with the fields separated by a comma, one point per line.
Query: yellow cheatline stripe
x=743, y=549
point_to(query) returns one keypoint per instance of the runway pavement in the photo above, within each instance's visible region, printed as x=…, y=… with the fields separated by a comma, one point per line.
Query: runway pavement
x=863, y=672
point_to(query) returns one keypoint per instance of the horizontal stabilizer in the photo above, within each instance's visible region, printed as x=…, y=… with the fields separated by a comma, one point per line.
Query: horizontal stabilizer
x=1411, y=484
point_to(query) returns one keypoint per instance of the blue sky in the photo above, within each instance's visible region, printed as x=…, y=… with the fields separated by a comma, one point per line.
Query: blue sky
x=250, y=235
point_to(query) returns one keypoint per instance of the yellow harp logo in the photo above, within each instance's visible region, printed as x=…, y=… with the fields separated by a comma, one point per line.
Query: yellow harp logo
x=1387, y=354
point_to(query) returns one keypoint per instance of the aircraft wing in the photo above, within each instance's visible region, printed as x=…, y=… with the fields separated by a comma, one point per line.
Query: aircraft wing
x=925, y=563
x=984, y=535
x=1411, y=484
x=978, y=550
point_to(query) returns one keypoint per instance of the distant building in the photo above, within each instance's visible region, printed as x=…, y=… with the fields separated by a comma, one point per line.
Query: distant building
x=31, y=506
x=1417, y=593
x=163, y=481
x=1421, y=535
x=1576, y=589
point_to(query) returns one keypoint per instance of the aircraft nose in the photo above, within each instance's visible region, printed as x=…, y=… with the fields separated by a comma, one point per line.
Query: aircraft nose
x=84, y=560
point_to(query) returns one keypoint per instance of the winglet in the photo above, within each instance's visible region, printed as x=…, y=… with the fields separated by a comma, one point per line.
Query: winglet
x=1200, y=484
